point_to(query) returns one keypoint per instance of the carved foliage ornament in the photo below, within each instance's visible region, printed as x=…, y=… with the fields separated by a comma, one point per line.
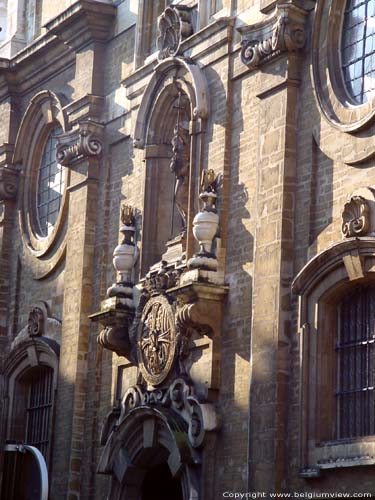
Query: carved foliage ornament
x=356, y=217
x=283, y=32
x=156, y=340
x=174, y=26
x=86, y=144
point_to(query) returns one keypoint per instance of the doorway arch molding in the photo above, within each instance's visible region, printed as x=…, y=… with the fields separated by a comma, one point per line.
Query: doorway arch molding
x=145, y=438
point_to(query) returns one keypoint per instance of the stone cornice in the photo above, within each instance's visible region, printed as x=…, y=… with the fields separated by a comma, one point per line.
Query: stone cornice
x=83, y=22
x=83, y=141
x=283, y=31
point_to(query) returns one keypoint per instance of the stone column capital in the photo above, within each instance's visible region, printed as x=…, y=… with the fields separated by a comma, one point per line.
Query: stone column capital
x=283, y=31
x=85, y=140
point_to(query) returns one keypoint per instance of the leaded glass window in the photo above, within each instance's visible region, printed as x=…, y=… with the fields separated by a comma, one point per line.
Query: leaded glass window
x=50, y=186
x=358, y=49
x=356, y=367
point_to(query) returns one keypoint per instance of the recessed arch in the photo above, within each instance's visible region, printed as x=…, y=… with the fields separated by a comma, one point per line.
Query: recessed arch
x=30, y=360
x=149, y=437
x=171, y=195
x=193, y=82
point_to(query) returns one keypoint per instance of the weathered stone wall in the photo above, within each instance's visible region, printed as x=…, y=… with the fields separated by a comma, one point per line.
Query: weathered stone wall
x=280, y=205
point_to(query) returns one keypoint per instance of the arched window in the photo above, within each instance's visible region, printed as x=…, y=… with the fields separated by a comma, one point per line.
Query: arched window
x=50, y=186
x=32, y=408
x=31, y=371
x=358, y=49
x=337, y=319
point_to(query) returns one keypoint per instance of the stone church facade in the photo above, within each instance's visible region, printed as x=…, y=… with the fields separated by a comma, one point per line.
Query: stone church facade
x=187, y=247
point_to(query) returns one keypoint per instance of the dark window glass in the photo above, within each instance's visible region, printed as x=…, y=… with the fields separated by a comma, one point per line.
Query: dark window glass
x=358, y=49
x=355, y=356
x=50, y=186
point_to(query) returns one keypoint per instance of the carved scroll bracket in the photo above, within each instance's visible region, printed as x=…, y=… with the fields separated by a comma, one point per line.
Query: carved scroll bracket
x=116, y=317
x=283, y=31
x=200, y=306
x=83, y=141
x=8, y=182
x=180, y=398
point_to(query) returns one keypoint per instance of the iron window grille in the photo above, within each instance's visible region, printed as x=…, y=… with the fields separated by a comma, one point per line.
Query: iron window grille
x=39, y=407
x=358, y=49
x=356, y=364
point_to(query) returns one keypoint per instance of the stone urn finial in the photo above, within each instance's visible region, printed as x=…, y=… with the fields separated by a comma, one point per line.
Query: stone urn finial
x=124, y=255
x=206, y=224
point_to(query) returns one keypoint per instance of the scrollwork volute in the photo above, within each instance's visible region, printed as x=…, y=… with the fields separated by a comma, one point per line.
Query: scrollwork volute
x=356, y=217
x=82, y=142
x=8, y=183
x=283, y=31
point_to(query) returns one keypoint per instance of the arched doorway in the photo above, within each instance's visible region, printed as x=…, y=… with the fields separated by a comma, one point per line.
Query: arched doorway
x=149, y=457
x=159, y=484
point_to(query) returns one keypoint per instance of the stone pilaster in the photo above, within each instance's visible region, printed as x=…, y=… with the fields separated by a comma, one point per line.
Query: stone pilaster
x=70, y=415
x=275, y=50
x=8, y=192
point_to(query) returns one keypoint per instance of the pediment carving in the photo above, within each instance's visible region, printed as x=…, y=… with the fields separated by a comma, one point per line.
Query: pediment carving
x=358, y=216
x=355, y=217
x=174, y=25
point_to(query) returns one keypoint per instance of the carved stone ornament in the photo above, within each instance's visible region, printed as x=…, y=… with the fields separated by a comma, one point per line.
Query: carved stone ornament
x=124, y=256
x=36, y=322
x=84, y=141
x=157, y=338
x=179, y=397
x=206, y=223
x=174, y=25
x=282, y=31
x=8, y=182
x=356, y=217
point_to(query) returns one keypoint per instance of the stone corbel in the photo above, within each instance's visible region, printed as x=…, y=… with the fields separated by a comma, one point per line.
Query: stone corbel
x=282, y=31
x=83, y=141
x=200, y=306
x=116, y=317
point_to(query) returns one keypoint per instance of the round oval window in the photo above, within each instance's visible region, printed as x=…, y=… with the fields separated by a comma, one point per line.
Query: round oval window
x=358, y=49
x=50, y=187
